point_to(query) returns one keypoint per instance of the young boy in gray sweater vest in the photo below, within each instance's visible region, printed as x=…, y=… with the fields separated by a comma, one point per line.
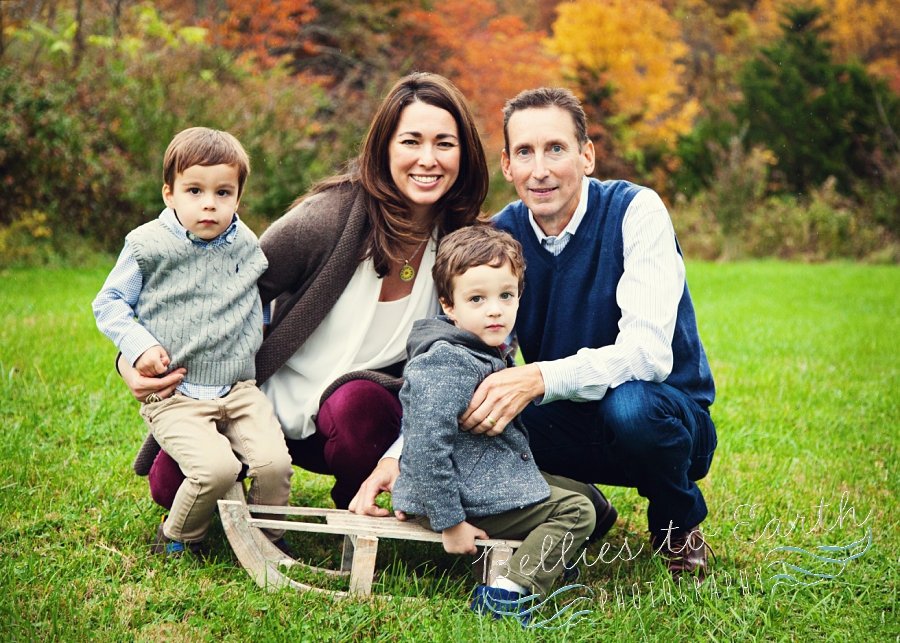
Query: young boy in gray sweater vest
x=470, y=486
x=189, y=279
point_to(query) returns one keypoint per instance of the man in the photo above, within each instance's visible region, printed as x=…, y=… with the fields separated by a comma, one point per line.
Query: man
x=619, y=379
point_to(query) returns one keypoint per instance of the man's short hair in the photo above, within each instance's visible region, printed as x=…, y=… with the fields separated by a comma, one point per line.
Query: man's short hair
x=204, y=146
x=477, y=245
x=543, y=98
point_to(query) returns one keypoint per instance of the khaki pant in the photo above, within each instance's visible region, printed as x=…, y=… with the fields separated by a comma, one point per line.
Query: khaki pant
x=210, y=440
x=543, y=527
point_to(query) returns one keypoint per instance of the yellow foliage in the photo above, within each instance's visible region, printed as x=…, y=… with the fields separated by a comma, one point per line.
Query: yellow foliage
x=635, y=47
x=866, y=30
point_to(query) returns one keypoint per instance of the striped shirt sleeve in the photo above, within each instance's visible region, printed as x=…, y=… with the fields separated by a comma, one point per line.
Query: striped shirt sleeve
x=648, y=294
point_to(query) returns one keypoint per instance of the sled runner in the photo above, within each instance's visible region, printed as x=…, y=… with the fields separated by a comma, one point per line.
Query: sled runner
x=262, y=559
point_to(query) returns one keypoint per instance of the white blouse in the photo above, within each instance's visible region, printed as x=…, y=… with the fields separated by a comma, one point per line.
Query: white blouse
x=358, y=333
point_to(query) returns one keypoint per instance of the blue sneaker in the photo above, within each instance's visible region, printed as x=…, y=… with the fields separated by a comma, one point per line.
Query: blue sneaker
x=174, y=548
x=499, y=603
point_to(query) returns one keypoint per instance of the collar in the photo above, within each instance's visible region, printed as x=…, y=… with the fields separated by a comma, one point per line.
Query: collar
x=170, y=219
x=574, y=222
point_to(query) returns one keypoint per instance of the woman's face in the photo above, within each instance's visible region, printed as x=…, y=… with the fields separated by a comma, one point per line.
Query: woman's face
x=424, y=156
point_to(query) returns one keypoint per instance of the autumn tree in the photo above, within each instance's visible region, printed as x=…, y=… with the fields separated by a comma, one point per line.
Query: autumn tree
x=267, y=30
x=490, y=56
x=626, y=55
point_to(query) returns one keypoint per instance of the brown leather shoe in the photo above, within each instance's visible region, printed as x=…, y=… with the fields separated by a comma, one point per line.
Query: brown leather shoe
x=685, y=551
x=606, y=515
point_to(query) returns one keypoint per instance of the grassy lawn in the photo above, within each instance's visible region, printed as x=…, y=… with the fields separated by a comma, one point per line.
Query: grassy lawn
x=807, y=363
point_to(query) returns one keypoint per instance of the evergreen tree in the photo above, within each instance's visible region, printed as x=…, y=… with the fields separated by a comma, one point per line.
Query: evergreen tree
x=818, y=117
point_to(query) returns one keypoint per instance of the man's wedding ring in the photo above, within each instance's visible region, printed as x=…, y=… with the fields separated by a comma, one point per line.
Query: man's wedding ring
x=153, y=397
x=491, y=420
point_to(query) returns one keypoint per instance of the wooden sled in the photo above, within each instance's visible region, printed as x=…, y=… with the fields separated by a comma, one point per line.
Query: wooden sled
x=262, y=559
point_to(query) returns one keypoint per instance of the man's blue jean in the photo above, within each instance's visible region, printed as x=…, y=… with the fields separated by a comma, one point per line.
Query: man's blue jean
x=644, y=435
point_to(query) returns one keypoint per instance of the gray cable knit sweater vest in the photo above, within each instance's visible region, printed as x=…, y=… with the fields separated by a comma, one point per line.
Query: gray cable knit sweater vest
x=201, y=304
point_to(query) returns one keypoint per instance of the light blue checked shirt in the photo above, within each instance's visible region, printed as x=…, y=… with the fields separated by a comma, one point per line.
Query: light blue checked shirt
x=114, y=305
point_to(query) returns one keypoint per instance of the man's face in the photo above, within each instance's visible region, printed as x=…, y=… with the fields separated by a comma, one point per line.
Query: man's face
x=546, y=164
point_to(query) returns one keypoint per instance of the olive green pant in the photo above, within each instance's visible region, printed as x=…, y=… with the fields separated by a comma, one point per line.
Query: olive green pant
x=552, y=532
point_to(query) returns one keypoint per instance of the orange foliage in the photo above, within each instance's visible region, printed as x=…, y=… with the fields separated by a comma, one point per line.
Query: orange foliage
x=635, y=48
x=490, y=57
x=266, y=29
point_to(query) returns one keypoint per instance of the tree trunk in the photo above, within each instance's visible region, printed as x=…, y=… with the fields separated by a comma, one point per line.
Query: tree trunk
x=78, y=42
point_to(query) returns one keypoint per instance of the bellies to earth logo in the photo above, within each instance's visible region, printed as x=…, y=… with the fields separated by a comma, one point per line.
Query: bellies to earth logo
x=783, y=564
x=794, y=566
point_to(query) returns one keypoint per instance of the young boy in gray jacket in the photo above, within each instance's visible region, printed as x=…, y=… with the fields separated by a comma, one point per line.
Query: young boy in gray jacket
x=474, y=486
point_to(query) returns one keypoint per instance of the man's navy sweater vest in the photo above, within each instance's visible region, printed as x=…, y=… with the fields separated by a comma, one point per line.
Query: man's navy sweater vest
x=569, y=301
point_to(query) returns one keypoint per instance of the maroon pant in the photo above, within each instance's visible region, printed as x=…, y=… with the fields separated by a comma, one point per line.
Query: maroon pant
x=355, y=426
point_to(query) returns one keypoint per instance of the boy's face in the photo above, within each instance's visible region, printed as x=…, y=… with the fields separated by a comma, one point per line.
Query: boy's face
x=204, y=197
x=485, y=302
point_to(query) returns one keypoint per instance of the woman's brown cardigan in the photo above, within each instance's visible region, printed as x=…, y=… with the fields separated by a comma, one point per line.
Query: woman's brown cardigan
x=313, y=251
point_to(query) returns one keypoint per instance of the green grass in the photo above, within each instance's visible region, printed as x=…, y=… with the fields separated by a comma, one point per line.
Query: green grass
x=807, y=363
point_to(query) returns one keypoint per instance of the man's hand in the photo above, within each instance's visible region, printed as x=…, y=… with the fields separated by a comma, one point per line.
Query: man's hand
x=141, y=386
x=153, y=361
x=381, y=479
x=501, y=397
x=460, y=539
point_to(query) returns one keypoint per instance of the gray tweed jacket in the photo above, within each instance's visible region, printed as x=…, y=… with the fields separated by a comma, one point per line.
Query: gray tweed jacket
x=446, y=473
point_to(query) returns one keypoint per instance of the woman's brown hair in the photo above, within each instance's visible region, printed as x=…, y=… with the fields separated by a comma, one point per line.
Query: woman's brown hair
x=390, y=224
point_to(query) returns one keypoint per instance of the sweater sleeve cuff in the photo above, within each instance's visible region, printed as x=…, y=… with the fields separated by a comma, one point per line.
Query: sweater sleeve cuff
x=136, y=343
x=446, y=520
x=560, y=379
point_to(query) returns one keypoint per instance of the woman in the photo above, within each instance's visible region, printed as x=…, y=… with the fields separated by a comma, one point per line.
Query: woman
x=349, y=273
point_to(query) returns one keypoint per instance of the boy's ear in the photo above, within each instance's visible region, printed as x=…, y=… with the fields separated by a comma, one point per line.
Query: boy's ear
x=167, y=196
x=448, y=308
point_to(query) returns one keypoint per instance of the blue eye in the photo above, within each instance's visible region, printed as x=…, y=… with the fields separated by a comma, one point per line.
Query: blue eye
x=507, y=295
x=556, y=149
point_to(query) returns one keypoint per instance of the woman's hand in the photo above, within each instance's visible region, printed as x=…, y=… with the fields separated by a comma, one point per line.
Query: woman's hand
x=141, y=386
x=381, y=479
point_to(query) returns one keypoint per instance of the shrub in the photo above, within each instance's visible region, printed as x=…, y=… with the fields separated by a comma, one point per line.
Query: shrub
x=740, y=182
x=85, y=146
x=824, y=226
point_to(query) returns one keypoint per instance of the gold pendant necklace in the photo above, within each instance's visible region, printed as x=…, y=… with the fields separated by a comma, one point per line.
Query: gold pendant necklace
x=407, y=272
